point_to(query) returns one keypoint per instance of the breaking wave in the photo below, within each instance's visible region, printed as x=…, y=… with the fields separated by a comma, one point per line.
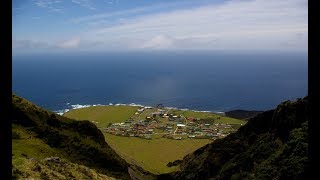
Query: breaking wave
x=80, y=106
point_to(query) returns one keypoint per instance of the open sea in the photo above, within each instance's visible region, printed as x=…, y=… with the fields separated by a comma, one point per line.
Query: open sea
x=201, y=81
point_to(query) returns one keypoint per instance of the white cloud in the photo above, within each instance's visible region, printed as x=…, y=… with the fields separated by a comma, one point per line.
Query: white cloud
x=111, y=1
x=84, y=3
x=57, y=6
x=231, y=25
x=28, y=44
x=52, y=5
x=254, y=24
x=128, y=12
x=71, y=43
x=35, y=17
x=158, y=42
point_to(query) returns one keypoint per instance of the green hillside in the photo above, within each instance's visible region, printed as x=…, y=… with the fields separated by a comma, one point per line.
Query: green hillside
x=38, y=134
x=272, y=145
x=53, y=168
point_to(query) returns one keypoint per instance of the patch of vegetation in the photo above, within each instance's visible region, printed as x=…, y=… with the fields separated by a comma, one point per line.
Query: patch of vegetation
x=15, y=135
x=54, y=168
x=174, y=163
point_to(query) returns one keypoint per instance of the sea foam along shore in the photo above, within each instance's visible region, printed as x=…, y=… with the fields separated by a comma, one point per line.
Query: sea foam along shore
x=79, y=106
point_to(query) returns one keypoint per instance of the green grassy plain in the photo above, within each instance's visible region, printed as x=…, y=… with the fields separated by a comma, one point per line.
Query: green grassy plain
x=152, y=155
x=103, y=114
x=206, y=115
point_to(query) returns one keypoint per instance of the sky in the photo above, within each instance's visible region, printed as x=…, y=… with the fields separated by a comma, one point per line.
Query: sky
x=40, y=26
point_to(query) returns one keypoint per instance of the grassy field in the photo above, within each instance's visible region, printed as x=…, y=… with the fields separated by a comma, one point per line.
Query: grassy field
x=204, y=115
x=103, y=114
x=153, y=155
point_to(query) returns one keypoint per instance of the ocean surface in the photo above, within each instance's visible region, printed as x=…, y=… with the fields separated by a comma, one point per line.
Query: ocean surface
x=201, y=81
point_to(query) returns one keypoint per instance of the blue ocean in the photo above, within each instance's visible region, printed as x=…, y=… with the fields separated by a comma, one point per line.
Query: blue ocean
x=204, y=81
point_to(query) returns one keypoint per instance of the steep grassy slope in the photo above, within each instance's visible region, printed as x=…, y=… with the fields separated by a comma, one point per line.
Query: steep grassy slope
x=38, y=133
x=272, y=145
x=54, y=168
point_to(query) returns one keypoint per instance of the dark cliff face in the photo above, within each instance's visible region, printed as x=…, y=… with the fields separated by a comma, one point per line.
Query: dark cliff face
x=82, y=141
x=272, y=145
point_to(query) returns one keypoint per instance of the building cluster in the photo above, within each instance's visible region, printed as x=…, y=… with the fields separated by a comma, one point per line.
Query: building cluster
x=142, y=129
x=170, y=126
